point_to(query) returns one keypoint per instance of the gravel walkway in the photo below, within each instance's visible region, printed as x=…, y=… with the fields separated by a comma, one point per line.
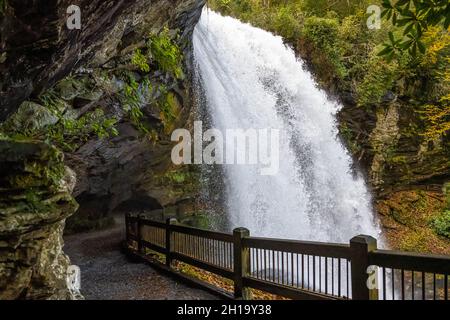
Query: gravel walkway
x=106, y=274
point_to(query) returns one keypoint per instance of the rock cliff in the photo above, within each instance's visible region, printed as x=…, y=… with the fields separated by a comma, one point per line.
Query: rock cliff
x=107, y=96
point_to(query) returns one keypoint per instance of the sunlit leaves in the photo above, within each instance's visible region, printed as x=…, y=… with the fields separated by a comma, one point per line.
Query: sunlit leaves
x=166, y=53
x=140, y=60
x=392, y=48
x=414, y=16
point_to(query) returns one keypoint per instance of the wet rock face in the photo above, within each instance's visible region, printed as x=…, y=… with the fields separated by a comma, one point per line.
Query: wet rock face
x=37, y=50
x=39, y=54
x=389, y=144
x=127, y=168
x=35, y=199
x=110, y=170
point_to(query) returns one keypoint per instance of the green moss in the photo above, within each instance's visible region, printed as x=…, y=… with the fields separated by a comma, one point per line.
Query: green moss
x=35, y=201
x=170, y=108
x=398, y=160
x=48, y=170
x=52, y=119
x=33, y=175
x=179, y=176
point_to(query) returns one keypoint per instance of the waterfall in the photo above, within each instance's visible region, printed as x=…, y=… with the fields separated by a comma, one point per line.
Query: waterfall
x=250, y=79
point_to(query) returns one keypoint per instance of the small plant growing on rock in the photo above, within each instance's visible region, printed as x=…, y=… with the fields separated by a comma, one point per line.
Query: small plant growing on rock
x=140, y=60
x=441, y=224
x=132, y=104
x=68, y=133
x=166, y=53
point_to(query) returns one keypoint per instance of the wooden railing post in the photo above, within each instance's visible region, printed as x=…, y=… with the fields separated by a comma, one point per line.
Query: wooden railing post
x=127, y=229
x=169, y=245
x=139, y=234
x=241, y=264
x=360, y=247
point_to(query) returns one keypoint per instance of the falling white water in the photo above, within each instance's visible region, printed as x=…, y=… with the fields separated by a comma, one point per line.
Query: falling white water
x=252, y=80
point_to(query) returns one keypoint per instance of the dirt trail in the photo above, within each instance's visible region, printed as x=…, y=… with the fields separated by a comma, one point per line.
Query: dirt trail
x=106, y=274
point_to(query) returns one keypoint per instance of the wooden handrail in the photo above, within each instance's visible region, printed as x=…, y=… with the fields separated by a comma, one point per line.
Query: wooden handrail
x=331, y=250
x=241, y=257
x=203, y=233
x=429, y=263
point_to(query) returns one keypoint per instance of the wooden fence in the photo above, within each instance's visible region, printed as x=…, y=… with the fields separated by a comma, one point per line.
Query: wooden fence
x=293, y=269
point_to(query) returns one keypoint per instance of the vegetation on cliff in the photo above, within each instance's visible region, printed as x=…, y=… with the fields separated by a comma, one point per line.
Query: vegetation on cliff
x=133, y=89
x=56, y=115
x=345, y=54
x=35, y=199
x=398, y=74
x=98, y=101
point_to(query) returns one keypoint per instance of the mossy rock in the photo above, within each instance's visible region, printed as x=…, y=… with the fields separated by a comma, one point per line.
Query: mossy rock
x=171, y=112
x=36, y=189
x=69, y=88
x=30, y=118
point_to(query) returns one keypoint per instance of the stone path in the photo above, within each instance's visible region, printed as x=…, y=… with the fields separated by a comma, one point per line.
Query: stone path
x=106, y=274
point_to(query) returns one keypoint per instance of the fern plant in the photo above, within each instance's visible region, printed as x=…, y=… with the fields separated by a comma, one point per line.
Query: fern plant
x=166, y=53
x=140, y=60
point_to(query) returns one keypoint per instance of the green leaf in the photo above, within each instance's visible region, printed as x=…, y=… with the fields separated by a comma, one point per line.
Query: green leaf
x=413, y=50
x=403, y=22
x=408, y=29
x=387, y=4
x=447, y=22
x=406, y=45
x=391, y=37
x=402, y=2
x=390, y=56
x=386, y=51
x=421, y=47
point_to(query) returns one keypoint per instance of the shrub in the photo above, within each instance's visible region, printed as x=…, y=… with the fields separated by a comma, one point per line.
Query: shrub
x=140, y=60
x=69, y=133
x=441, y=224
x=324, y=34
x=379, y=78
x=286, y=24
x=166, y=53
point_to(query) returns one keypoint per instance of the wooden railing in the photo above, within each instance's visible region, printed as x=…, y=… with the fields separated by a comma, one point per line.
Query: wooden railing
x=406, y=276
x=293, y=269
